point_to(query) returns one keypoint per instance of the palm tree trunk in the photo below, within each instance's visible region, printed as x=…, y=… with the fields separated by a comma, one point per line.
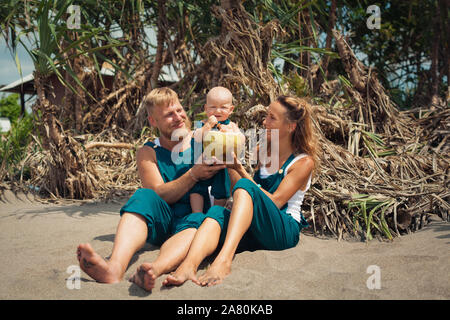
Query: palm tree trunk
x=69, y=174
x=160, y=44
x=322, y=71
x=446, y=28
x=304, y=36
x=435, y=56
x=80, y=97
x=229, y=4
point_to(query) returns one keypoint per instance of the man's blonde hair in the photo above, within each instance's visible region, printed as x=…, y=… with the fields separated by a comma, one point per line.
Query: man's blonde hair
x=159, y=97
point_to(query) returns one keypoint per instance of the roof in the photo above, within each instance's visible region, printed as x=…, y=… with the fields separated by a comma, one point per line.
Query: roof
x=28, y=85
x=28, y=81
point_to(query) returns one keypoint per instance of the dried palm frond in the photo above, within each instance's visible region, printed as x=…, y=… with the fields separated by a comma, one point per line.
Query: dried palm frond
x=382, y=171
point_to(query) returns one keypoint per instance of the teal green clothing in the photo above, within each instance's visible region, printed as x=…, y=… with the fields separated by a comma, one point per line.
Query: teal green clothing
x=164, y=220
x=171, y=170
x=271, y=228
x=271, y=183
x=220, y=182
x=225, y=122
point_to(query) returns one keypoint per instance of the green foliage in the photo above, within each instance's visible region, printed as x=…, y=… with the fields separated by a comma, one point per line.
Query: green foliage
x=297, y=84
x=375, y=145
x=53, y=44
x=369, y=213
x=9, y=107
x=13, y=146
x=193, y=19
x=401, y=49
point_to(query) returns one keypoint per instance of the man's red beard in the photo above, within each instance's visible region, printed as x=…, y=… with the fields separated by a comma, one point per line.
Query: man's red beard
x=168, y=134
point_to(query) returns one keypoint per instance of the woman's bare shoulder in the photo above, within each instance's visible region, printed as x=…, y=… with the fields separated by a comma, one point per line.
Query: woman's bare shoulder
x=303, y=164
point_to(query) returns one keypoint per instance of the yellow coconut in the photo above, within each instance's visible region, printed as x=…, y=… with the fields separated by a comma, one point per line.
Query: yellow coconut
x=220, y=145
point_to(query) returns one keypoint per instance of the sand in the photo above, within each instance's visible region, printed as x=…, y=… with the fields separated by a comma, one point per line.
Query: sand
x=38, y=245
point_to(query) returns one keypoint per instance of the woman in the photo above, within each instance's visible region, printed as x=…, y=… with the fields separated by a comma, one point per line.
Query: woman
x=266, y=210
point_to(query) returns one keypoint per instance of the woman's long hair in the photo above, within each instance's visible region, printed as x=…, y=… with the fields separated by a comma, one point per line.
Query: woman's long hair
x=304, y=138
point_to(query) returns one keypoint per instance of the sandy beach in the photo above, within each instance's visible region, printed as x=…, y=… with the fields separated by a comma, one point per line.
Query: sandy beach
x=38, y=245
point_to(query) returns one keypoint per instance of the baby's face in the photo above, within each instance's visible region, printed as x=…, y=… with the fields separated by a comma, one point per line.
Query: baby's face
x=219, y=108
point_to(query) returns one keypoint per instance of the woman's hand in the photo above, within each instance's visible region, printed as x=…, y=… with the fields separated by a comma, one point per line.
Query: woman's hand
x=236, y=164
x=236, y=171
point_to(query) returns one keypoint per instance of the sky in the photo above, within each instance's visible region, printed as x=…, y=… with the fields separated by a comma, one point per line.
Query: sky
x=9, y=72
x=8, y=69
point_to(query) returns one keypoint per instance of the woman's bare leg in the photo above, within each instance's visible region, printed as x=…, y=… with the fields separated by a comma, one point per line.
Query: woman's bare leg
x=130, y=237
x=205, y=242
x=171, y=254
x=240, y=220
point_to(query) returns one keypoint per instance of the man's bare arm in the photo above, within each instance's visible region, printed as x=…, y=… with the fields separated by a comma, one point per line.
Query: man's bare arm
x=171, y=191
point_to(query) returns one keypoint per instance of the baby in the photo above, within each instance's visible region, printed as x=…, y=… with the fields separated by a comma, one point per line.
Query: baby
x=218, y=108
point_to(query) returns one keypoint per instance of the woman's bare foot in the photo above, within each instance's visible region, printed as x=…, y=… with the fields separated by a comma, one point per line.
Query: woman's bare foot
x=181, y=275
x=96, y=267
x=145, y=276
x=215, y=274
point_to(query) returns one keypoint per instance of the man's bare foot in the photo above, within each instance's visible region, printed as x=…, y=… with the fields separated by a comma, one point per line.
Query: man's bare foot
x=180, y=276
x=145, y=276
x=96, y=267
x=215, y=274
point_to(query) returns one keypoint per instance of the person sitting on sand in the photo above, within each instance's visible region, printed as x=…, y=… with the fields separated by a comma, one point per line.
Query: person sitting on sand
x=266, y=211
x=218, y=108
x=158, y=213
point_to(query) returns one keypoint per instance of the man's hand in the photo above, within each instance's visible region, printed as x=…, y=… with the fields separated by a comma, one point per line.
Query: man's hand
x=205, y=171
